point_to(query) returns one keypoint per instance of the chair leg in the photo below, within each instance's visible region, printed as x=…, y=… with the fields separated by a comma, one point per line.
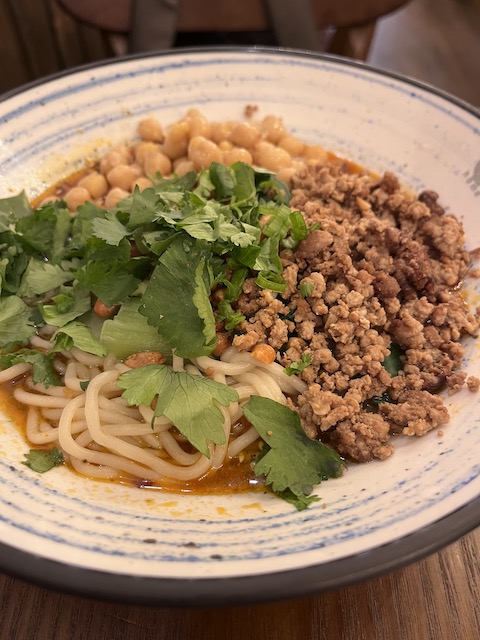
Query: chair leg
x=353, y=42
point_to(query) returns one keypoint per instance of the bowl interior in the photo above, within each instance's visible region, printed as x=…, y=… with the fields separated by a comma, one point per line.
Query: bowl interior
x=381, y=121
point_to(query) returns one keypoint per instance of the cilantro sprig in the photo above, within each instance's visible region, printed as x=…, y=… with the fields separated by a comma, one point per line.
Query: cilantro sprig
x=291, y=462
x=42, y=461
x=189, y=402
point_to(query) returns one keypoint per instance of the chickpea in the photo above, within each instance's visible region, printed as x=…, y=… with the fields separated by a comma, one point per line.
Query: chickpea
x=150, y=129
x=176, y=140
x=292, y=145
x=123, y=175
x=264, y=353
x=95, y=183
x=114, y=196
x=272, y=128
x=203, y=152
x=225, y=145
x=237, y=155
x=220, y=131
x=244, y=135
x=184, y=167
x=102, y=311
x=199, y=125
x=75, y=197
x=285, y=175
x=142, y=183
x=142, y=149
x=270, y=157
x=157, y=162
x=117, y=155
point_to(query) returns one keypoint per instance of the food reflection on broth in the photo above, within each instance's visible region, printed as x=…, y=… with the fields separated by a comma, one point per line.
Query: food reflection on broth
x=223, y=295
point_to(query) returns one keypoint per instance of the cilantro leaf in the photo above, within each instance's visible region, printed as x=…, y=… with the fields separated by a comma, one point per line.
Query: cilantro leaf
x=14, y=262
x=272, y=188
x=42, y=461
x=15, y=323
x=109, y=229
x=305, y=289
x=42, y=365
x=176, y=300
x=293, y=461
x=129, y=332
x=76, y=334
x=300, y=502
x=111, y=281
x=67, y=305
x=40, y=277
x=298, y=367
x=189, y=402
x=227, y=313
x=141, y=207
x=393, y=363
x=45, y=231
x=223, y=179
x=245, y=190
x=81, y=231
x=12, y=209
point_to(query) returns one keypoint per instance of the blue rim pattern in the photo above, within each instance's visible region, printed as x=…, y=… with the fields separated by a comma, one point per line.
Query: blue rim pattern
x=276, y=521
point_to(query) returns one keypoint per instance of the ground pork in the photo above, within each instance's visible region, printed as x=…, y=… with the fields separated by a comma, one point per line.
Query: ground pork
x=381, y=316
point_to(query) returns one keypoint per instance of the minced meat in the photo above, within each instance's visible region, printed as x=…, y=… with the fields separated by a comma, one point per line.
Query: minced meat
x=383, y=268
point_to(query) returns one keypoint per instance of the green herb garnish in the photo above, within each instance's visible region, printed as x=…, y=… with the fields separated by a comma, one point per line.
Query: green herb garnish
x=190, y=402
x=42, y=461
x=292, y=463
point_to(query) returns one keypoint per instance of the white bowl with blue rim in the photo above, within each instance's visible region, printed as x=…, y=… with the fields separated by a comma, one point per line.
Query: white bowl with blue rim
x=140, y=545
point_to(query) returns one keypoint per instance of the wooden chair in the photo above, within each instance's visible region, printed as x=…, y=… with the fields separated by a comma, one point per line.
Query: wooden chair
x=38, y=37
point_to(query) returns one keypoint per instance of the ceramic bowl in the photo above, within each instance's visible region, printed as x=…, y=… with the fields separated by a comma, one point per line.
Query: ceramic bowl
x=145, y=546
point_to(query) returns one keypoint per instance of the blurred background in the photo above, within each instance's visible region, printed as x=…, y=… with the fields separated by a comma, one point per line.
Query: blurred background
x=437, y=41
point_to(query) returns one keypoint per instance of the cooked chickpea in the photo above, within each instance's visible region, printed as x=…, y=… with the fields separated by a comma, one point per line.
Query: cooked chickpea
x=203, y=152
x=184, y=167
x=271, y=157
x=157, y=162
x=143, y=149
x=237, y=155
x=225, y=145
x=272, y=128
x=95, y=183
x=199, y=125
x=292, y=145
x=121, y=154
x=150, y=129
x=264, y=353
x=244, y=135
x=123, y=175
x=102, y=311
x=176, y=140
x=75, y=197
x=114, y=196
x=285, y=175
x=220, y=131
x=142, y=183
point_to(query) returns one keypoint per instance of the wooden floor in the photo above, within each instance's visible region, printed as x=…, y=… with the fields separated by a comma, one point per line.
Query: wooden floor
x=437, y=41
